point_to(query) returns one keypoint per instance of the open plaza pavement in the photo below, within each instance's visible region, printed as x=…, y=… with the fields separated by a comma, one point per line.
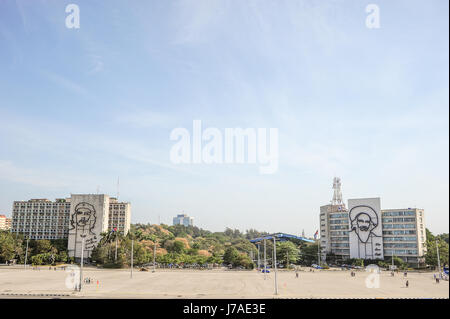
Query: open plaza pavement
x=17, y=282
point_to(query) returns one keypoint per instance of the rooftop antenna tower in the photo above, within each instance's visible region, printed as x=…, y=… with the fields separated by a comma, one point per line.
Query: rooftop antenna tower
x=117, y=188
x=337, y=195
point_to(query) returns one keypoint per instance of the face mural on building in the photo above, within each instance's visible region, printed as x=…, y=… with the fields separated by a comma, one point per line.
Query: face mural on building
x=364, y=222
x=83, y=219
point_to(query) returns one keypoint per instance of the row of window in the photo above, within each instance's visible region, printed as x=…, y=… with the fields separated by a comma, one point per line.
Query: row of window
x=399, y=226
x=405, y=245
x=388, y=252
x=399, y=232
x=333, y=233
x=47, y=237
x=339, y=221
x=405, y=238
x=339, y=239
x=399, y=213
x=345, y=251
x=48, y=231
x=399, y=220
x=341, y=215
x=339, y=227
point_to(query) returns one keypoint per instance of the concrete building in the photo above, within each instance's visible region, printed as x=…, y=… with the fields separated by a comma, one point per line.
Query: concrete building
x=183, y=219
x=80, y=216
x=5, y=223
x=119, y=215
x=404, y=234
x=334, y=225
x=334, y=231
x=41, y=218
x=403, y=231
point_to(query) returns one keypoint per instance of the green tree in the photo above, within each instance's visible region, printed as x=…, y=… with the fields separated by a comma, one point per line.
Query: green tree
x=431, y=254
x=231, y=255
x=7, y=246
x=287, y=252
x=308, y=254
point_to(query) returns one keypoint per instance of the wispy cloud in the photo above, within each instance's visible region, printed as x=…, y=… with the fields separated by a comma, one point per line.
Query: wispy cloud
x=65, y=83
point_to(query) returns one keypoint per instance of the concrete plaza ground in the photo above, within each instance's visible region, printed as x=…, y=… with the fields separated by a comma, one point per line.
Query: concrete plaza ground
x=20, y=283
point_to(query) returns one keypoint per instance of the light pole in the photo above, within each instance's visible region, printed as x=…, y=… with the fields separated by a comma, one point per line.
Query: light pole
x=439, y=260
x=131, y=273
x=318, y=251
x=115, y=257
x=392, y=258
x=154, y=257
x=26, y=251
x=82, y=260
x=265, y=261
x=287, y=261
x=26, y=255
x=259, y=261
x=275, y=263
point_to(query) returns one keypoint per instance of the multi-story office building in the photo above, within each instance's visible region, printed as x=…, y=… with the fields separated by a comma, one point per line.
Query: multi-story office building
x=119, y=215
x=403, y=231
x=334, y=231
x=41, y=218
x=404, y=234
x=44, y=219
x=183, y=219
x=334, y=225
x=5, y=223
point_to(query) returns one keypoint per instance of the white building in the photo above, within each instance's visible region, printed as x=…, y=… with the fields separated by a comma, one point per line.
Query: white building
x=402, y=231
x=5, y=223
x=404, y=234
x=41, y=218
x=80, y=216
x=183, y=219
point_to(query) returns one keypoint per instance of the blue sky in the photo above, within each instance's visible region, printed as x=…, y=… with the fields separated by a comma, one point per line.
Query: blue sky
x=80, y=107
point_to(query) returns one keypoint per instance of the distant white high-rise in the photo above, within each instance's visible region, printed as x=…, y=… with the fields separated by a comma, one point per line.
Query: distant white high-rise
x=183, y=219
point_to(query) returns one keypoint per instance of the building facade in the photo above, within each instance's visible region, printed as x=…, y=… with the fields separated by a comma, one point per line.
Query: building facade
x=78, y=218
x=402, y=232
x=5, y=223
x=41, y=218
x=183, y=219
x=334, y=231
x=89, y=217
x=119, y=215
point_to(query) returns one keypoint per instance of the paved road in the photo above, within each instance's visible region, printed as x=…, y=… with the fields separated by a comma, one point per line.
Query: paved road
x=46, y=283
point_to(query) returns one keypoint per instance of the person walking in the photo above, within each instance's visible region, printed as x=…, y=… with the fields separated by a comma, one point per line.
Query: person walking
x=296, y=274
x=407, y=284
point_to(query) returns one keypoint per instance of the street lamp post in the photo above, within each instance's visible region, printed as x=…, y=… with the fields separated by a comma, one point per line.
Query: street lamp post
x=265, y=261
x=82, y=261
x=131, y=273
x=259, y=261
x=275, y=263
x=438, y=258
x=154, y=257
x=318, y=252
x=115, y=257
x=26, y=254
